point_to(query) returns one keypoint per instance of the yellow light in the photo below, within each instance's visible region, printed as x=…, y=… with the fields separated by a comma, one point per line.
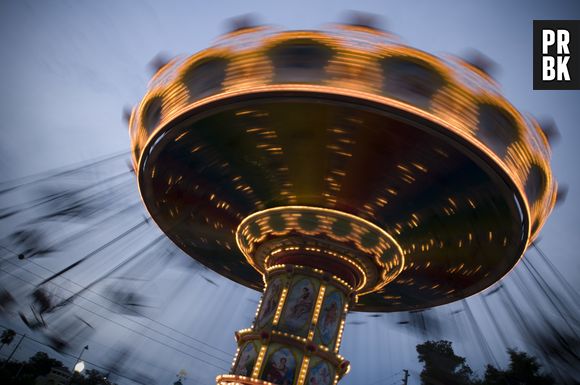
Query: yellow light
x=327, y=217
x=303, y=370
x=258, y=364
x=280, y=306
x=316, y=312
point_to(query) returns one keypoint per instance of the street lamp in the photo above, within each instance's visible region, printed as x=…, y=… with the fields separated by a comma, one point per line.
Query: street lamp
x=79, y=365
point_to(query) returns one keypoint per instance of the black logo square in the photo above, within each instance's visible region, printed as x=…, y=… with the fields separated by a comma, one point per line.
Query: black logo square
x=556, y=54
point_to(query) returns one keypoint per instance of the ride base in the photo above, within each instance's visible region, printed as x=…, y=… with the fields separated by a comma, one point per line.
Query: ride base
x=297, y=331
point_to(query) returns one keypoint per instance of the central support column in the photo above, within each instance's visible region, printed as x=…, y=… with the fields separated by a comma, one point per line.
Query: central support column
x=315, y=263
x=297, y=331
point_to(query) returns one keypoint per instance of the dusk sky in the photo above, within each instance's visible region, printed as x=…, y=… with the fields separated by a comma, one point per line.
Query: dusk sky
x=69, y=68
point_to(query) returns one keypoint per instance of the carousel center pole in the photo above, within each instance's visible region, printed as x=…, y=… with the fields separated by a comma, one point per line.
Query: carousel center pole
x=297, y=331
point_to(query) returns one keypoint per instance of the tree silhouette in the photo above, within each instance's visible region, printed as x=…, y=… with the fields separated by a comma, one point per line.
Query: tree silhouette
x=7, y=337
x=441, y=366
x=522, y=369
x=40, y=364
x=94, y=377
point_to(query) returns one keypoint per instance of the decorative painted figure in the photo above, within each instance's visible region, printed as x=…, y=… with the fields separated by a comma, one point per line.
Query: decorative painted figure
x=280, y=368
x=319, y=375
x=270, y=302
x=246, y=361
x=299, y=305
x=330, y=318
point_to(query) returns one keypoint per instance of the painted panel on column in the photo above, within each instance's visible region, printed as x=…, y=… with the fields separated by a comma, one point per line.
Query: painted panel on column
x=329, y=319
x=320, y=374
x=270, y=302
x=298, y=307
x=246, y=359
x=281, y=366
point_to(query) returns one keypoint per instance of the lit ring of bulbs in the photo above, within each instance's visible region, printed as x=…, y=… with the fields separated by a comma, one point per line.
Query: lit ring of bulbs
x=289, y=222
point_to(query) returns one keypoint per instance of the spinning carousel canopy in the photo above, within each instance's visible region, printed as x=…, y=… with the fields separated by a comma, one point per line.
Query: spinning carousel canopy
x=350, y=120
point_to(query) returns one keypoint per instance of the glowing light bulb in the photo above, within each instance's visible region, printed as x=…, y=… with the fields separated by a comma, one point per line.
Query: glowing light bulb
x=80, y=366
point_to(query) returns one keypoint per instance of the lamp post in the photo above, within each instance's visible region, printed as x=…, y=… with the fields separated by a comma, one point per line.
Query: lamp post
x=79, y=365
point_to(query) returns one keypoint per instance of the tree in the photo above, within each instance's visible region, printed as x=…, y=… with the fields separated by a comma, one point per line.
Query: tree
x=522, y=369
x=441, y=366
x=493, y=376
x=94, y=377
x=27, y=372
x=41, y=363
x=7, y=337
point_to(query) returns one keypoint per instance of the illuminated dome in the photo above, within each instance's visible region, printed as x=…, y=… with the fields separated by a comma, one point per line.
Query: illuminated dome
x=413, y=166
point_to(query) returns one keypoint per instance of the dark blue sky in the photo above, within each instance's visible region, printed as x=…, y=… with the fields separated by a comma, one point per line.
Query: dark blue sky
x=69, y=67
